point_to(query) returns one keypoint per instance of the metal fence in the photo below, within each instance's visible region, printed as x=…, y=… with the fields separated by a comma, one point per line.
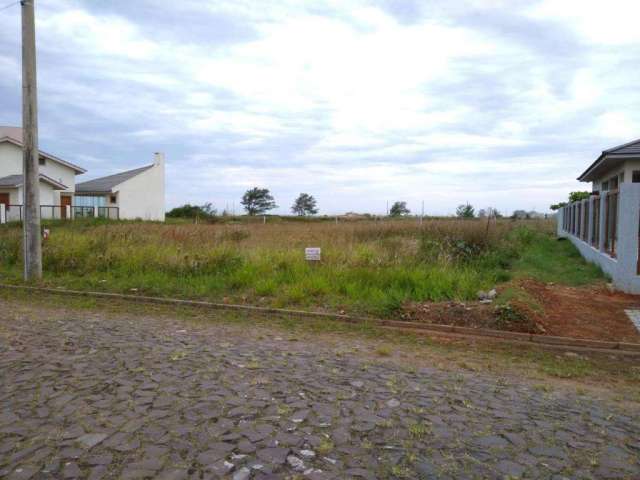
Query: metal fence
x=14, y=212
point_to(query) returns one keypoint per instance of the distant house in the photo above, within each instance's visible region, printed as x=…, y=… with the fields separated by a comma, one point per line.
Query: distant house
x=137, y=193
x=605, y=226
x=57, y=178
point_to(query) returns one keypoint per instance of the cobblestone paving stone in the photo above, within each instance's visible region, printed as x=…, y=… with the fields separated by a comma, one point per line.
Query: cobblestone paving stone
x=90, y=396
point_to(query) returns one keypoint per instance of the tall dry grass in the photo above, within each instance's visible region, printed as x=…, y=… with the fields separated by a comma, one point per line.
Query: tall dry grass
x=367, y=266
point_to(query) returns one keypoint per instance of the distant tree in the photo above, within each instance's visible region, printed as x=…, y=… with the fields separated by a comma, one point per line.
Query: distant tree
x=573, y=197
x=521, y=215
x=305, y=204
x=465, y=211
x=193, y=211
x=258, y=200
x=398, y=209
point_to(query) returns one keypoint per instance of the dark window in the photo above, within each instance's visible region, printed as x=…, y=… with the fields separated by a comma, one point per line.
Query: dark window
x=635, y=176
x=42, y=161
x=605, y=186
x=112, y=199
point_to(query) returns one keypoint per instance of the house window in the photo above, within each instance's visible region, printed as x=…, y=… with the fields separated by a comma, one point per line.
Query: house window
x=635, y=176
x=89, y=201
x=42, y=161
x=112, y=199
x=605, y=186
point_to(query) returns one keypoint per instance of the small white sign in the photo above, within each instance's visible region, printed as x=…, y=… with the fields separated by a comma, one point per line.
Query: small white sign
x=312, y=254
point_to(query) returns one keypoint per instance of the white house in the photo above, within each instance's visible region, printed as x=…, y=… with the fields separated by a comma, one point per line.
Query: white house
x=57, y=178
x=133, y=194
x=605, y=227
x=138, y=193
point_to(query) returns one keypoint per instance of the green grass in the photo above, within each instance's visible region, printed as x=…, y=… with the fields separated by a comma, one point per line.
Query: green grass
x=548, y=259
x=367, y=267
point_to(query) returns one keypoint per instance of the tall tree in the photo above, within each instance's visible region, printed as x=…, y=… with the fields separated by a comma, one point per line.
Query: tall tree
x=399, y=209
x=573, y=197
x=305, y=204
x=258, y=200
x=465, y=211
x=577, y=196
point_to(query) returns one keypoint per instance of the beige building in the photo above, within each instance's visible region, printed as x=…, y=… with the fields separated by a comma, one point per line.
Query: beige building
x=134, y=194
x=137, y=193
x=604, y=227
x=614, y=166
x=57, y=178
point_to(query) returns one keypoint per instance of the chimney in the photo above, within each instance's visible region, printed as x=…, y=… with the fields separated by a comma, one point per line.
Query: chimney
x=158, y=159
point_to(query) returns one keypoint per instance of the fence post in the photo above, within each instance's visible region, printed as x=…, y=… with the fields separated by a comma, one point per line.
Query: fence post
x=67, y=212
x=95, y=212
x=628, y=223
x=559, y=221
x=3, y=213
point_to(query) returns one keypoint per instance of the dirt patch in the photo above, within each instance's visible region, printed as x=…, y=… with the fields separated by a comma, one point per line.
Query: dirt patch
x=584, y=312
x=474, y=315
x=592, y=312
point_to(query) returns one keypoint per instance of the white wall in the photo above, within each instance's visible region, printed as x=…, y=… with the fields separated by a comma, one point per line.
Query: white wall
x=10, y=159
x=625, y=168
x=62, y=174
x=143, y=195
x=11, y=164
x=623, y=268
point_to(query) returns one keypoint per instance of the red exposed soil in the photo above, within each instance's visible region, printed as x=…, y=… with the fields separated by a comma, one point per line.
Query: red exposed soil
x=591, y=312
x=585, y=312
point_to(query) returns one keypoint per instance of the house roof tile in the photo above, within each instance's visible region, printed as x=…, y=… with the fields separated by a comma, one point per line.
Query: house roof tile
x=16, y=180
x=609, y=158
x=106, y=184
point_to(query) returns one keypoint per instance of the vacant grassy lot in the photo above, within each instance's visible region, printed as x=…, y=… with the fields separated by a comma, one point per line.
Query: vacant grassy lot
x=367, y=267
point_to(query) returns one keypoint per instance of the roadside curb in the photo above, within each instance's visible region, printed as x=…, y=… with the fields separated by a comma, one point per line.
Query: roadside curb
x=619, y=348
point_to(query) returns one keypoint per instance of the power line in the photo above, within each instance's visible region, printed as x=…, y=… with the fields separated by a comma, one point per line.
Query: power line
x=9, y=5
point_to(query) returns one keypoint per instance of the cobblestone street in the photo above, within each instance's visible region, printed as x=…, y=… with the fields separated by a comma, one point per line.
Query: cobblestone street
x=84, y=395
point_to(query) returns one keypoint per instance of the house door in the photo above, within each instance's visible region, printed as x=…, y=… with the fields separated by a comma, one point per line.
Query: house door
x=64, y=201
x=4, y=198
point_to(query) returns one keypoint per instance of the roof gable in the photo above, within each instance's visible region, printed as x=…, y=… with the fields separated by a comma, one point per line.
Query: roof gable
x=609, y=158
x=14, y=181
x=14, y=135
x=106, y=184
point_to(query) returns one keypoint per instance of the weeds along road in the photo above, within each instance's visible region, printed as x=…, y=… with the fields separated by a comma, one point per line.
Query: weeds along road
x=88, y=393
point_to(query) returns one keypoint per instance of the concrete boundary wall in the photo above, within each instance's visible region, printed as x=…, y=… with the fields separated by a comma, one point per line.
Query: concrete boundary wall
x=623, y=269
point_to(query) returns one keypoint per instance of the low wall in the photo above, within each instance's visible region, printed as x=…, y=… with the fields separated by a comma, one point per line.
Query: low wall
x=623, y=269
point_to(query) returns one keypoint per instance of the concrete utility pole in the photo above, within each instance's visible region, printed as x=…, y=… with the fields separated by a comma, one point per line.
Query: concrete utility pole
x=32, y=243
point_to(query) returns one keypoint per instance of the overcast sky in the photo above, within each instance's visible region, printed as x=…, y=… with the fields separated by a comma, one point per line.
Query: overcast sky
x=500, y=103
